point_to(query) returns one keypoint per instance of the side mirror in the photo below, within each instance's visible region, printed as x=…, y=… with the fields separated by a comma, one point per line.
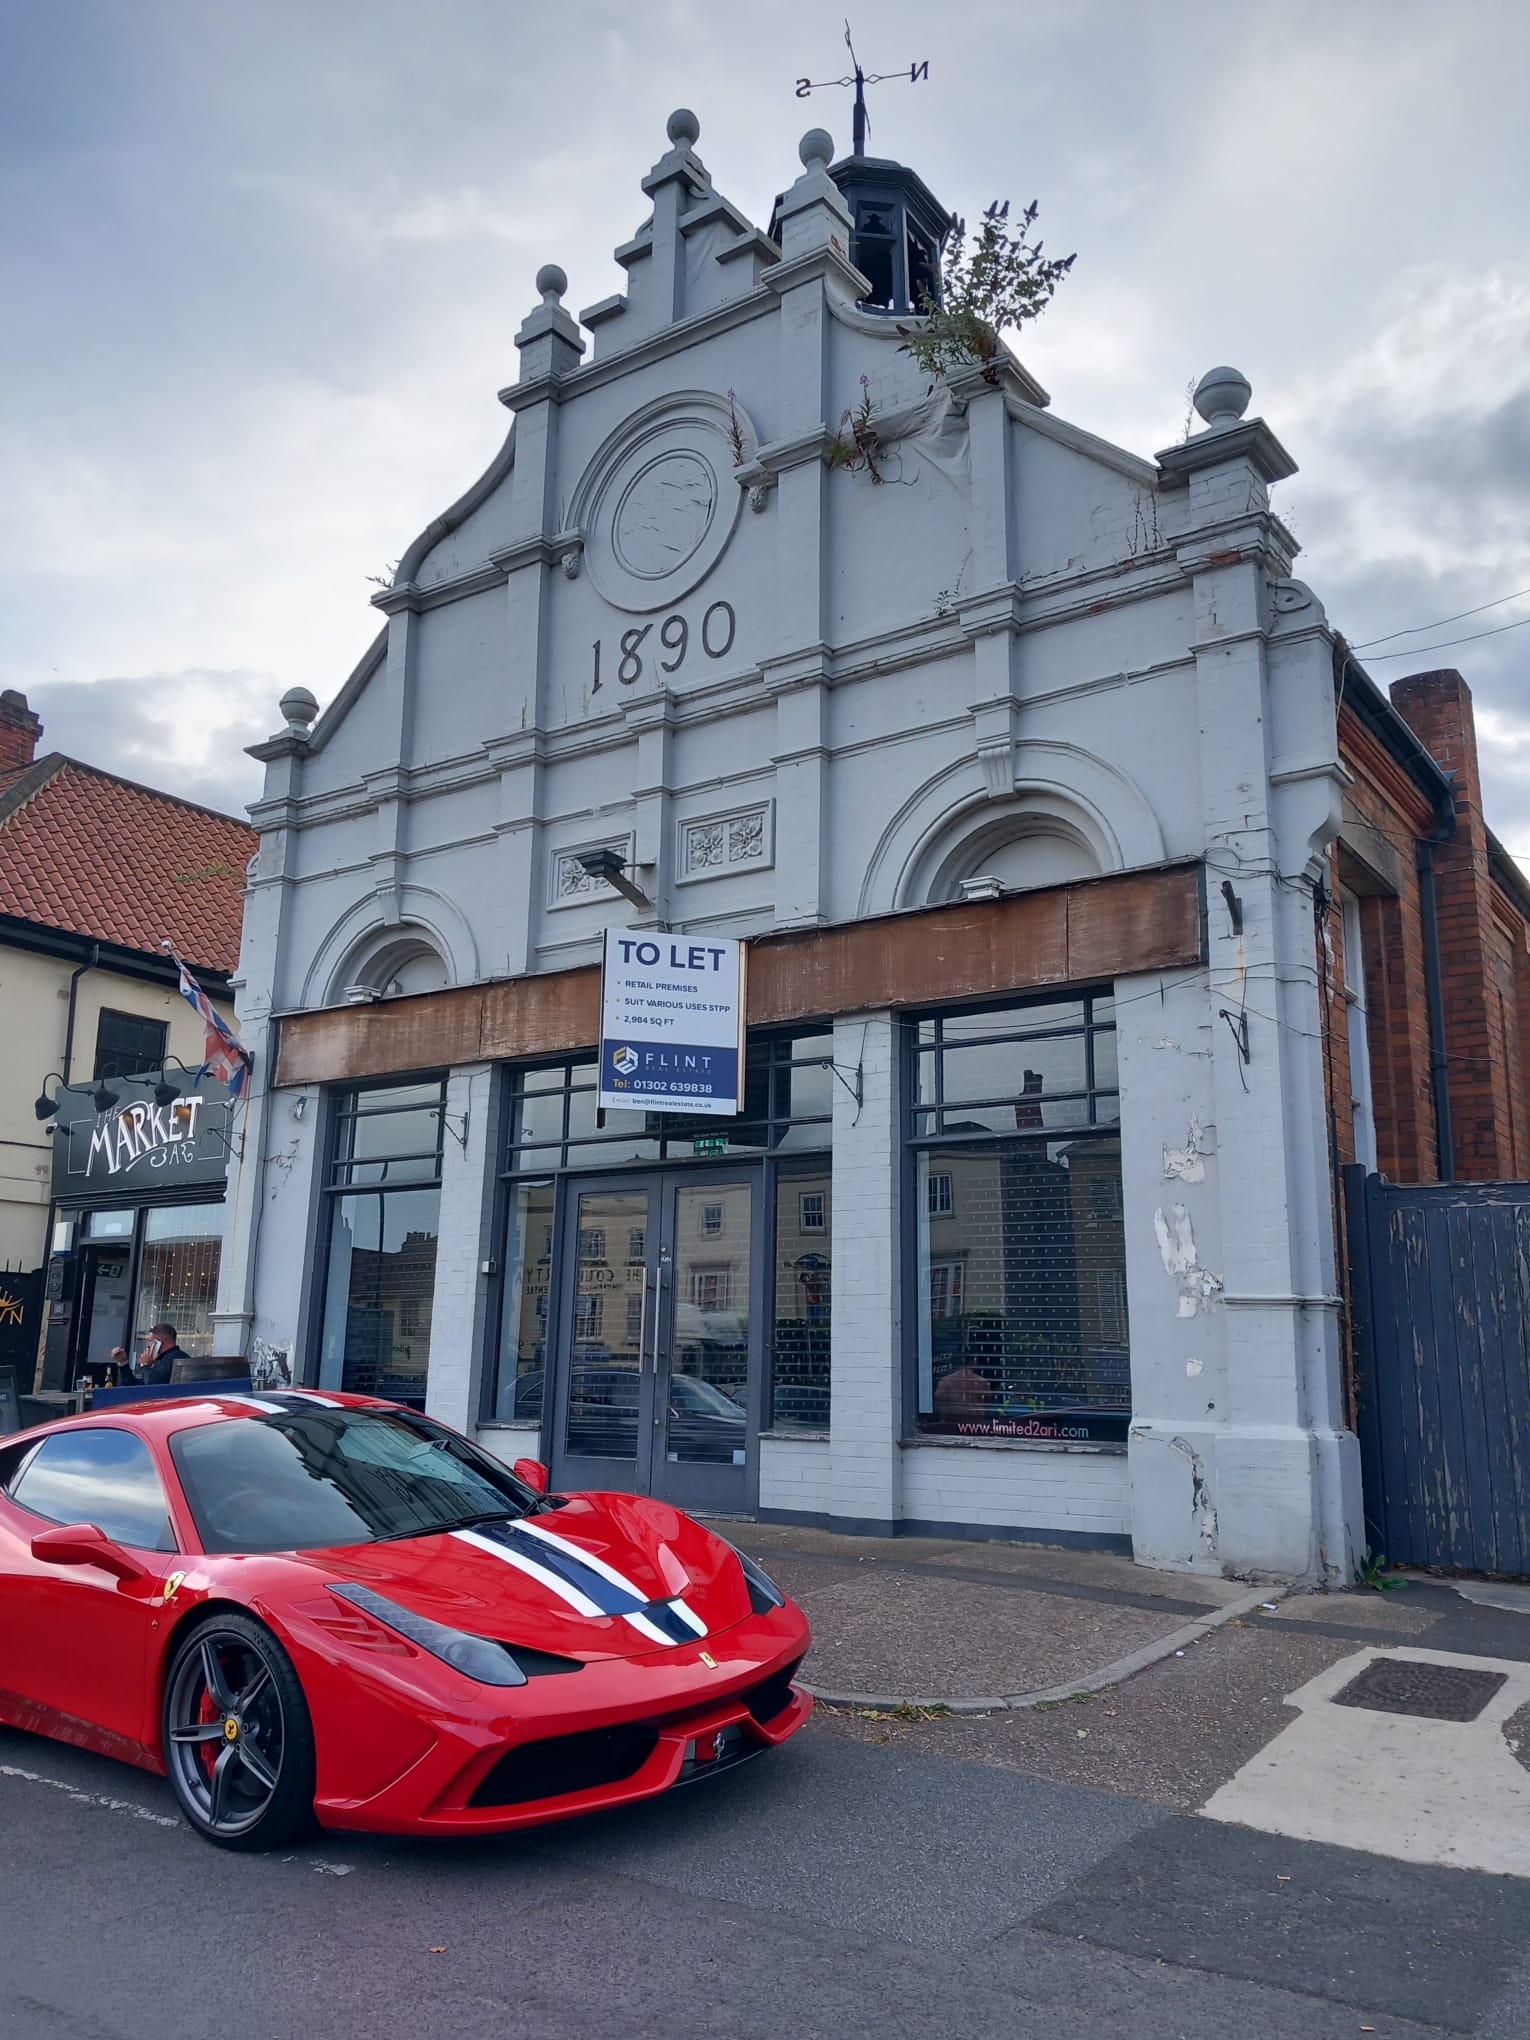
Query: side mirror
x=85, y=1544
x=534, y=1473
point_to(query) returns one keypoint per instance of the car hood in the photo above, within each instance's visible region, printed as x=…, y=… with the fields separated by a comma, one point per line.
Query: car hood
x=603, y=1576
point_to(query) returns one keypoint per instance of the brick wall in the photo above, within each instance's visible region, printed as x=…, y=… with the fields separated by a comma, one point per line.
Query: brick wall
x=1385, y=816
x=1481, y=1033
x=19, y=731
x=1484, y=943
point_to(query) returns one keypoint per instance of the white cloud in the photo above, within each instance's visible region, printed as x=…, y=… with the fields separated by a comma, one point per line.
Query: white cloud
x=263, y=283
x=185, y=732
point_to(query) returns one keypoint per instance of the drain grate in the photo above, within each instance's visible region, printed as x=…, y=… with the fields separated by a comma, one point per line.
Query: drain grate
x=1406, y=1686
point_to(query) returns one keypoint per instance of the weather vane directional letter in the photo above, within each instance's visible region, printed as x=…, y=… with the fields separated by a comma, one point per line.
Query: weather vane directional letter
x=860, y=80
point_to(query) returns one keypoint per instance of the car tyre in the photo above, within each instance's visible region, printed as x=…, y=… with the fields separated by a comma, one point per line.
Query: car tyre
x=237, y=1734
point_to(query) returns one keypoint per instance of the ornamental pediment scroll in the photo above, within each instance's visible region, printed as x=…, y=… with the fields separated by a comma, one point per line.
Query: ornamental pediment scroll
x=657, y=506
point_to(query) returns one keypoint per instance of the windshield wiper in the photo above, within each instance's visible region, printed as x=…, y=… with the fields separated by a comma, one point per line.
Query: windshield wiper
x=505, y=1515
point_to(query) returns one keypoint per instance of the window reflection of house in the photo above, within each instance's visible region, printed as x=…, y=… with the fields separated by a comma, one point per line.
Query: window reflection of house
x=1022, y=1293
x=385, y=1198
x=799, y=1380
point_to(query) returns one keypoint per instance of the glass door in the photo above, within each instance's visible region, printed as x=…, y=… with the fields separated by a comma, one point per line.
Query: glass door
x=655, y=1354
x=107, y=1294
x=602, y=1373
x=706, y=1338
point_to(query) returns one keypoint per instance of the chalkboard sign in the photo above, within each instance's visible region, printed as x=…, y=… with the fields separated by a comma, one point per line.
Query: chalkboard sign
x=10, y=1402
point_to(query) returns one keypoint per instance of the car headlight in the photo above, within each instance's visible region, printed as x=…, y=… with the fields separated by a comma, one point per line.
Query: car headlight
x=476, y=1657
x=764, y=1594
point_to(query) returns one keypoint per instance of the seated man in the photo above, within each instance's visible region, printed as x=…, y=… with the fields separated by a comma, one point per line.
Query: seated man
x=156, y=1363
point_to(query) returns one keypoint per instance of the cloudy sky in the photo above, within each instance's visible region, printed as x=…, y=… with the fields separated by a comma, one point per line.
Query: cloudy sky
x=262, y=268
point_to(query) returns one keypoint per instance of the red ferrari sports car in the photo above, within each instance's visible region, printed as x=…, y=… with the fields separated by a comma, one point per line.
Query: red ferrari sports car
x=302, y=1605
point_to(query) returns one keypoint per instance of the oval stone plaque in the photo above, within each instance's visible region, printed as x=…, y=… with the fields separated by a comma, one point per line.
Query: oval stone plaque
x=664, y=515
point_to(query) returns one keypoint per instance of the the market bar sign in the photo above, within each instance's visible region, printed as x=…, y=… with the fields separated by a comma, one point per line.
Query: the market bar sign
x=139, y=1148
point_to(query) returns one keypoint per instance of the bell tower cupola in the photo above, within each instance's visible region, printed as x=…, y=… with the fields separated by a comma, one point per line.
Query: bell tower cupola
x=899, y=233
x=899, y=228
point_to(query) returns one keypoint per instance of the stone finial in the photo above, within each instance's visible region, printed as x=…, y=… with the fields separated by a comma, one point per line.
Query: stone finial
x=298, y=708
x=683, y=128
x=549, y=341
x=816, y=146
x=1221, y=397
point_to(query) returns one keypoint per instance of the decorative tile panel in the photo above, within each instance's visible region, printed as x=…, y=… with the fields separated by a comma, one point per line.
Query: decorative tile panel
x=713, y=846
x=570, y=885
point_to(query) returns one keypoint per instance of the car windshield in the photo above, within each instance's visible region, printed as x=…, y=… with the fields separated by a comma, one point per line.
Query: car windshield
x=310, y=1479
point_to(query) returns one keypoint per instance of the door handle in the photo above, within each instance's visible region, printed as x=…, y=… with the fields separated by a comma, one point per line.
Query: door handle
x=658, y=1312
x=643, y=1328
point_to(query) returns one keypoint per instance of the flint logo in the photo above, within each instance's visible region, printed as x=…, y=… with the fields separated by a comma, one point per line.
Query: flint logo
x=624, y=1061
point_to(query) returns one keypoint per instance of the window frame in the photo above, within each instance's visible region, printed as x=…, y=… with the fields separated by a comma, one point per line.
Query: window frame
x=549, y=1163
x=337, y=1117
x=914, y=1142
x=145, y=1021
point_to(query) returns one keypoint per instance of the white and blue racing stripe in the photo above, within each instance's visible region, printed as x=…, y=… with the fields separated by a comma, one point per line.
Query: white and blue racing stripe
x=281, y=1401
x=692, y=1623
x=585, y=1583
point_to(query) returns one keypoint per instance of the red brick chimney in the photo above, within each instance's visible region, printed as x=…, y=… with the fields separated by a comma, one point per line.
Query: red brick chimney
x=19, y=731
x=1437, y=707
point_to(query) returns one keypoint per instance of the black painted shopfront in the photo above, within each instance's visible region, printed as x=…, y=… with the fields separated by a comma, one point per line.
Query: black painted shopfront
x=139, y=1171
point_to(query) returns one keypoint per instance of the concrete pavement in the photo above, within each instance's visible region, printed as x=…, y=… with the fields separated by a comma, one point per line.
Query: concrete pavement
x=978, y=1627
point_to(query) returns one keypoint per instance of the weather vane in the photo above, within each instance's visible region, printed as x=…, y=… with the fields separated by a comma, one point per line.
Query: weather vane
x=860, y=80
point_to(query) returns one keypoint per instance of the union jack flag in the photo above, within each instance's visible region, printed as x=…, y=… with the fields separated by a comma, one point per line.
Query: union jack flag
x=224, y=1055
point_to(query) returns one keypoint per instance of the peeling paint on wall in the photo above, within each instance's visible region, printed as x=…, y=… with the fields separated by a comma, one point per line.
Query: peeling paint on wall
x=1198, y=1287
x=269, y=1365
x=1202, y=1509
x=1187, y=1162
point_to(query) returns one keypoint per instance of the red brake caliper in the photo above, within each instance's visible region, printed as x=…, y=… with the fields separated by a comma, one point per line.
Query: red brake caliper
x=208, y=1751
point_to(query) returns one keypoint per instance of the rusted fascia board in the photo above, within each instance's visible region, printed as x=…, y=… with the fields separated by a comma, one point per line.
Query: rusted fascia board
x=1087, y=932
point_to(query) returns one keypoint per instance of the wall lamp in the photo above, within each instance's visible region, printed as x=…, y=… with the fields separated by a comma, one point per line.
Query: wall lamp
x=45, y=1106
x=609, y=867
x=102, y=1097
x=166, y=1093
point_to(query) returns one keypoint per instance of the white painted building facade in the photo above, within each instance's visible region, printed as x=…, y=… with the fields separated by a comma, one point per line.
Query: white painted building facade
x=1018, y=740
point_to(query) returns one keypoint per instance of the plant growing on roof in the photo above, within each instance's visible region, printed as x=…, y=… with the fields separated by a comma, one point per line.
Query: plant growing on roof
x=736, y=432
x=857, y=443
x=1002, y=280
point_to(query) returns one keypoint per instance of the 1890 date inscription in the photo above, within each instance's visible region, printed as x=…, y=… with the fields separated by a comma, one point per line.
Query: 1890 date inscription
x=718, y=627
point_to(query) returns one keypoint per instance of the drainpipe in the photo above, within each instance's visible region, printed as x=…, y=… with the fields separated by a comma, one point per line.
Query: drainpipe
x=1439, y=1063
x=66, y=1070
x=90, y=963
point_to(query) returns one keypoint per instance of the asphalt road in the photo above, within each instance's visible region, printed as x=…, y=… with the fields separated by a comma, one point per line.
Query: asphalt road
x=841, y=1887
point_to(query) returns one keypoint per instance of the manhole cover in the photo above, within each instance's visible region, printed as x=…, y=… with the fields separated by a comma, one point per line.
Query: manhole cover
x=1406, y=1686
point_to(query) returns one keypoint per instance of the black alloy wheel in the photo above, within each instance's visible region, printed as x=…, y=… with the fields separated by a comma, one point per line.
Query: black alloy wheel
x=238, y=1739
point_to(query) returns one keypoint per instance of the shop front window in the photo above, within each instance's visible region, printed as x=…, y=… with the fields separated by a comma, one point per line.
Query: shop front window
x=555, y=1131
x=178, y=1274
x=799, y=1359
x=384, y=1194
x=1019, y=1262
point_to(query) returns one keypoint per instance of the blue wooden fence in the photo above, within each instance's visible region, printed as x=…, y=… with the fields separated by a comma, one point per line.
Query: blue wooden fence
x=1440, y=1307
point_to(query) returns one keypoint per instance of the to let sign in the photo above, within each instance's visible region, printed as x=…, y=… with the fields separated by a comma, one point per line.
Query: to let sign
x=671, y=1022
